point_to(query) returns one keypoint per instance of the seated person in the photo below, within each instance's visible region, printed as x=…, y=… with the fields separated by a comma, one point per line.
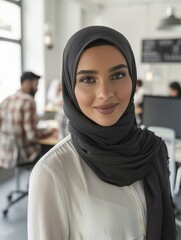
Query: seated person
x=62, y=120
x=18, y=119
x=55, y=101
x=54, y=94
x=138, y=100
x=174, y=89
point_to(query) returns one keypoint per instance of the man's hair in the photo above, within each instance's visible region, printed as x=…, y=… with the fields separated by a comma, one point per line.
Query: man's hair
x=29, y=76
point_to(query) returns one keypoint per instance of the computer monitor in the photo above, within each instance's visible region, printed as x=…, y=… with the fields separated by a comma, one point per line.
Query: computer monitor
x=163, y=112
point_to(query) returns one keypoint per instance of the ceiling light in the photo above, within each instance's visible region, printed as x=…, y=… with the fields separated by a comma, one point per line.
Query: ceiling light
x=48, y=39
x=170, y=22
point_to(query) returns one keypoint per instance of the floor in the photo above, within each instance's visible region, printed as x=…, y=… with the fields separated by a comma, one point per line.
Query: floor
x=14, y=226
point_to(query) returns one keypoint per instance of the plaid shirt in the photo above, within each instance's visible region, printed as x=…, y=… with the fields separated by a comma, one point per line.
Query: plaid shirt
x=18, y=127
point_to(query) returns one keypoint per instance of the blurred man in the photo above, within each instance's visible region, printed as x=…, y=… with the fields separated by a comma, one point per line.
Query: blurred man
x=18, y=121
x=138, y=100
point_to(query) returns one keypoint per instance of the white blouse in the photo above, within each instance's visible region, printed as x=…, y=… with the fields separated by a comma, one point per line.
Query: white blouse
x=67, y=201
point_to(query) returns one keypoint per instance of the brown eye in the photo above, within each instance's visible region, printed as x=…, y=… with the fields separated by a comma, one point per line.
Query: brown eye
x=118, y=75
x=87, y=80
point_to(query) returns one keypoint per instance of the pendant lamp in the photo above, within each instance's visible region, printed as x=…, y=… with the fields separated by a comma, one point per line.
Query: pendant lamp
x=171, y=22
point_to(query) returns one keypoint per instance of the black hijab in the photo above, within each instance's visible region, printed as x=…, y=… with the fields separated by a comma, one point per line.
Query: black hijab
x=122, y=153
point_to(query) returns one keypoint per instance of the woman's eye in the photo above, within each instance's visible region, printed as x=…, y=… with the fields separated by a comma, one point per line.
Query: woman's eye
x=87, y=80
x=118, y=76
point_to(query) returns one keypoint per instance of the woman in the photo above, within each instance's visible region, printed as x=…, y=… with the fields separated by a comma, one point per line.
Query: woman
x=174, y=89
x=108, y=179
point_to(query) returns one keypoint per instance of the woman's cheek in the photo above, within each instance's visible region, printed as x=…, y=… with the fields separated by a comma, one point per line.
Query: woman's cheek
x=84, y=97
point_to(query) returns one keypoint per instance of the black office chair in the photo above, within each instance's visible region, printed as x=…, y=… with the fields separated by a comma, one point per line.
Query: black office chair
x=17, y=194
x=9, y=156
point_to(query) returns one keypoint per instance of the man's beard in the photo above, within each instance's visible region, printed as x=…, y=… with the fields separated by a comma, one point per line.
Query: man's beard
x=32, y=92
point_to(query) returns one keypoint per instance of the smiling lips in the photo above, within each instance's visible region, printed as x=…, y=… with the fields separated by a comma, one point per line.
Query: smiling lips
x=106, y=109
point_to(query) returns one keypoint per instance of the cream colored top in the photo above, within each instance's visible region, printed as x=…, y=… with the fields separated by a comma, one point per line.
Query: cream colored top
x=67, y=201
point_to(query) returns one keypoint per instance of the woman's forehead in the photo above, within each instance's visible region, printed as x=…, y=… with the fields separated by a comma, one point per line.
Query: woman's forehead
x=100, y=54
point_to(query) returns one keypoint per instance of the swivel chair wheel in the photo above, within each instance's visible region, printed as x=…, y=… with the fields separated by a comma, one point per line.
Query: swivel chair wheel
x=5, y=212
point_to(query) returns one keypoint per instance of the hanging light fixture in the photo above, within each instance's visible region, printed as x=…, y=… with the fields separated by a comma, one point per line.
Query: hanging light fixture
x=171, y=22
x=48, y=39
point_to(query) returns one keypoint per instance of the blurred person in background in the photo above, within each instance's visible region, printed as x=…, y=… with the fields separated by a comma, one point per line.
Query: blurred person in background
x=54, y=94
x=138, y=100
x=174, y=89
x=62, y=120
x=18, y=118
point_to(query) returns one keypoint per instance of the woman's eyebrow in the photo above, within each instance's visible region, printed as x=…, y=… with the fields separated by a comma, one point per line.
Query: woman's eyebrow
x=87, y=72
x=95, y=72
x=117, y=67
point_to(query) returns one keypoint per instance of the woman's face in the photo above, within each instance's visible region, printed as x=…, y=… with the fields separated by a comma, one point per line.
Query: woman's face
x=172, y=92
x=103, y=85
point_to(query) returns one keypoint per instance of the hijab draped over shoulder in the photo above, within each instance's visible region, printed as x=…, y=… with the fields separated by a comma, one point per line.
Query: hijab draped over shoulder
x=122, y=153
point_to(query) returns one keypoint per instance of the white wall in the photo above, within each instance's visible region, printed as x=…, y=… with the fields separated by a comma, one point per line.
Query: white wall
x=33, y=48
x=69, y=23
x=64, y=18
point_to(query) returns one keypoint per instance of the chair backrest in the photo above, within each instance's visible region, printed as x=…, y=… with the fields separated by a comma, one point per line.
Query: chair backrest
x=168, y=135
x=8, y=151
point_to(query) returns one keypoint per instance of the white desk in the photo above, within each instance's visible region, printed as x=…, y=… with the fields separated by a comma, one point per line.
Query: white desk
x=48, y=124
x=45, y=124
x=51, y=141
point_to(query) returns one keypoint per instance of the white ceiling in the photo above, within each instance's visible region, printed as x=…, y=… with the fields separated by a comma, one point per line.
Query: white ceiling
x=109, y=3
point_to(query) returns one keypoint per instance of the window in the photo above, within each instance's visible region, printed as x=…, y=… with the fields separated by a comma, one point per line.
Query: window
x=10, y=47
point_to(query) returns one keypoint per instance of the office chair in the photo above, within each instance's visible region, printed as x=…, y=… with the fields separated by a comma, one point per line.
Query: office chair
x=17, y=194
x=178, y=181
x=9, y=156
x=168, y=135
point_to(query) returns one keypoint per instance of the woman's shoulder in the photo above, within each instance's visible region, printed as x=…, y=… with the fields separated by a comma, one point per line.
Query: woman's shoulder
x=60, y=157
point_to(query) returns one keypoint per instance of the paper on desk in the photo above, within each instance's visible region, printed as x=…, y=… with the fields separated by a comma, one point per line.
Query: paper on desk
x=44, y=124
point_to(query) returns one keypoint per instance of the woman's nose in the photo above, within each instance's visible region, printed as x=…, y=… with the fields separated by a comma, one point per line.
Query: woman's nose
x=105, y=91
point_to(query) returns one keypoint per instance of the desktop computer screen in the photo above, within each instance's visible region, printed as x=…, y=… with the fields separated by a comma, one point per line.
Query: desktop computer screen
x=163, y=112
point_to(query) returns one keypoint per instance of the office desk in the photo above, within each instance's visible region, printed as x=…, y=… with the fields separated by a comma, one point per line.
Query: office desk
x=47, y=143
x=44, y=124
x=51, y=111
x=51, y=141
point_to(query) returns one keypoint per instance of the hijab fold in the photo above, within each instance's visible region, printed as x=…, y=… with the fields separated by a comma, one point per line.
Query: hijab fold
x=122, y=153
